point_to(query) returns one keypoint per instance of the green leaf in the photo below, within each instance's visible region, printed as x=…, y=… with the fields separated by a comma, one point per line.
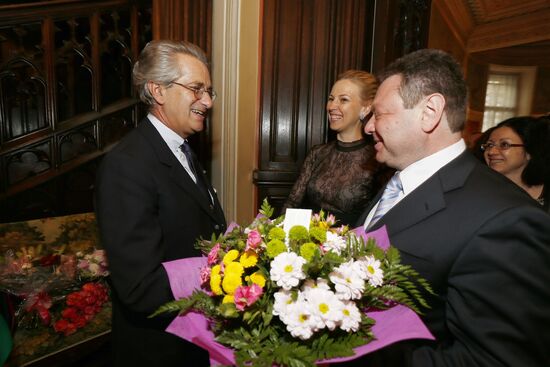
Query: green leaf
x=181, y=305
x=266, y=209
x=228, y=310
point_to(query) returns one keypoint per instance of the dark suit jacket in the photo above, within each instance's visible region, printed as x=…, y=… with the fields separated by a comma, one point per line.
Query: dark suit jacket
x=149, y=211
x=484, y=245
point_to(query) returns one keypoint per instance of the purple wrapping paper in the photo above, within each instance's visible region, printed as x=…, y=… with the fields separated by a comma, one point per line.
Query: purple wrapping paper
x=392, y=325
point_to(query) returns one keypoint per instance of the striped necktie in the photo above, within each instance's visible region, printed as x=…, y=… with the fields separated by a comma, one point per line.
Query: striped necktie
x=390, y=195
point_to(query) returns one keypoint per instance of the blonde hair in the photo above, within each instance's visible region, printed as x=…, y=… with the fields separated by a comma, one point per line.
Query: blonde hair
x=366, y=82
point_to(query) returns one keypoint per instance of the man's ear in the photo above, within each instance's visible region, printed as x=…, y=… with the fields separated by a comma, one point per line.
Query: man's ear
x=157, y=91
x=432, y=112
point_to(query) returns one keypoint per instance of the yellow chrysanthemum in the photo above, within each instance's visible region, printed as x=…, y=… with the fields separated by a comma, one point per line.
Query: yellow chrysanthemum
x=232, y=255
x=229, y=298
x=230, y=282
x=215, y=284
x=215, y=270
x=234, y=268
x=258, y=278
x=249, y=259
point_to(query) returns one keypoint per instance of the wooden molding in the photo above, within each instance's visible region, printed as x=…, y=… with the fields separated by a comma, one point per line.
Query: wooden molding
x=485, y=11
x=532, y=27
x=458, y=18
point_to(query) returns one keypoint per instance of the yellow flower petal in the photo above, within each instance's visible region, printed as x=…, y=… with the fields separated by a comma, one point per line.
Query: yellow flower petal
x=230, y=282
x=249, y=259
x=232, y=255
x=215, y=284
x=258, y=278
x=229, y=298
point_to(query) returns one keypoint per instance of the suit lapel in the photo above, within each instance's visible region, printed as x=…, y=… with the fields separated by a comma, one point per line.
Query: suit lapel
x=424, y=201
x=428, y=198
x=178, y=173
x=371, y=205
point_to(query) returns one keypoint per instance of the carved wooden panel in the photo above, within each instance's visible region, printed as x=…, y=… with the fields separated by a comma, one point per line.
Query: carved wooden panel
x=305, y=45
x=66, y=97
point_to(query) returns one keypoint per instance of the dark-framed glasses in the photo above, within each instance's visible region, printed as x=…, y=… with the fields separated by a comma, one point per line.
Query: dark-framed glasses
x=503, y=145
x=198, y=92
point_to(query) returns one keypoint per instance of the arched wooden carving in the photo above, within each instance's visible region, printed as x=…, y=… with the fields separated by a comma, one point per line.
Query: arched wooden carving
x=66, y=96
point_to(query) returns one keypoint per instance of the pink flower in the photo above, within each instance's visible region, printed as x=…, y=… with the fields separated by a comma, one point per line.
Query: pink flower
x=331, y=220
x=205, y=274
x=213, y=254
x=247, y=295
x=254, y=240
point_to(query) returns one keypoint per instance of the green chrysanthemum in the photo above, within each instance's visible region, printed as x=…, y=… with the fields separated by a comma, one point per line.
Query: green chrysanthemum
x=308, y=250
x=318, y=234
x=276, y=233
x=298, y=233
x=275, y=247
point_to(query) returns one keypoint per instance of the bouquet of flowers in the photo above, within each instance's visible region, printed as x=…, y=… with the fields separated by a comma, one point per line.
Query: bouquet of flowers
x=296, y=296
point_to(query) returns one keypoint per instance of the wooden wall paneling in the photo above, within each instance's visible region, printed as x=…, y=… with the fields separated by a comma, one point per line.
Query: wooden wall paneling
x=401, y=26
x=189, y=20
x=65, y=98
x=541, y=97
x=305, y=45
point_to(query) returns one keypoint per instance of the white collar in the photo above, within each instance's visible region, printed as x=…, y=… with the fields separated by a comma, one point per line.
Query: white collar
x=418, y=172
x=168, y=135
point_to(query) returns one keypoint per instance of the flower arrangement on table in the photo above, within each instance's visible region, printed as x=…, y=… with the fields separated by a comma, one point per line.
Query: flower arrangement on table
x=295, y=298
x=62, y=291
x=56, y=281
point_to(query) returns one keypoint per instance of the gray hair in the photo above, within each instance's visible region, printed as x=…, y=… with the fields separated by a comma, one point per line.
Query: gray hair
x=158, y=62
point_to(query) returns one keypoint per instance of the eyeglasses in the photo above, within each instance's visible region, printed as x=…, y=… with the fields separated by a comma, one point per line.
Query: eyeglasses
x=199, y=92
x=503, y=145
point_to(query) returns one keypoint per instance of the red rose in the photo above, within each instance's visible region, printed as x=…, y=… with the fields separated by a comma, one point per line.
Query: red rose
x=71, y=329
x=60, y=325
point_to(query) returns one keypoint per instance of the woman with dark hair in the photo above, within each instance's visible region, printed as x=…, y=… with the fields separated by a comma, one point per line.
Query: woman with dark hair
x=519, y=149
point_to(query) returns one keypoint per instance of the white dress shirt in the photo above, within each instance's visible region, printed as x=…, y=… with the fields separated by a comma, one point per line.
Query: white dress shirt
x=174, y=141
x=418, y=172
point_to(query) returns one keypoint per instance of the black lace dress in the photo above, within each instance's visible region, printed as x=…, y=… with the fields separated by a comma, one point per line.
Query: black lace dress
x=339, y=178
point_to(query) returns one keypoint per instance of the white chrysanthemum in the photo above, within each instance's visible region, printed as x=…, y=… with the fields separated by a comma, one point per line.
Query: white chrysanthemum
x=298, y=320
x=347, y=281
x=334, y=243
x=310, y=284
x=326, y=308
x=351, y=318
x=374, y=273
x=286, y=270
x=283, y=299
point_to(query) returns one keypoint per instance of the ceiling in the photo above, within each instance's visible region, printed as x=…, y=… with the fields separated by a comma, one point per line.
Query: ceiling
x=519, y=29
x=486, y=11
x=510, y=15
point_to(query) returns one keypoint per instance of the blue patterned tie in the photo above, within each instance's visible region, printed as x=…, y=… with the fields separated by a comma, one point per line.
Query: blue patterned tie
x=391, y=193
